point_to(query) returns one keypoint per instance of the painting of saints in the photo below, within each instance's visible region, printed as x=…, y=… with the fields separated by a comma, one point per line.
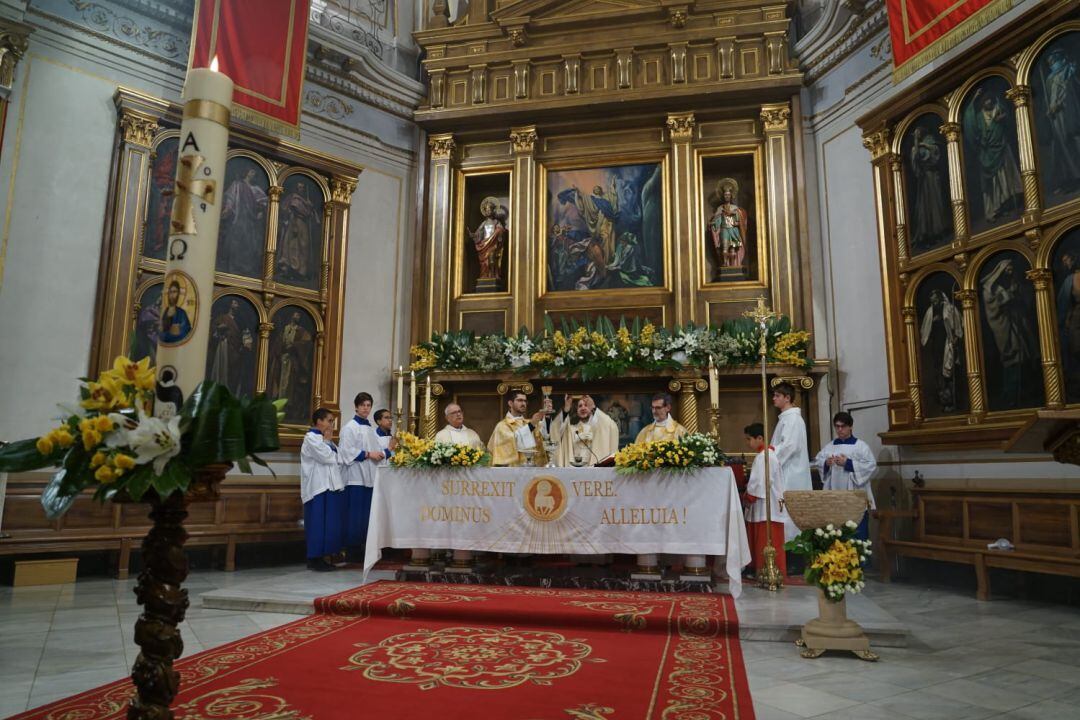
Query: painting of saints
x=1056, y=94
x=159, y=205
x=175, y=325
x=230, y=361
x=1008, y=312
x=1066, y=268
x=147, y=324
x=292, y=364
x=991, y=155
x=242, y=241
x=489, y=241
x=610, y=237
x=927, y=176
x=941, y=335
x=728, y=228
x=299, y=248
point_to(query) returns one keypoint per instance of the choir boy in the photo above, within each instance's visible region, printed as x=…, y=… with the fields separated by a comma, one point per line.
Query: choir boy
x=360, y=451
x=322, y=492
x=385, y=434
x=789, y=439
x=754, y=500
x=847, y=464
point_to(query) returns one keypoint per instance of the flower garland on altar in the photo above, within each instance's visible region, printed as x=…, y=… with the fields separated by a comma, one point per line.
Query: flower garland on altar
x=834, y=558
x=693, y=450
x=112, y=443
x=416, y=452
x=594, y=350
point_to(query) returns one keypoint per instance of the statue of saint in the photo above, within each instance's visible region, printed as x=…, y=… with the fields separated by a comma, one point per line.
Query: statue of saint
x=489, y=239
x=727, y=227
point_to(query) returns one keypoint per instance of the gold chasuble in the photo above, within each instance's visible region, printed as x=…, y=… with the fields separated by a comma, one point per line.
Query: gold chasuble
x=654, y=432
x=511, y=434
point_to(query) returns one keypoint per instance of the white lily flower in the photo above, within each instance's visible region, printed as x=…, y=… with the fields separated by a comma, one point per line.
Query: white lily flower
x=155, y=439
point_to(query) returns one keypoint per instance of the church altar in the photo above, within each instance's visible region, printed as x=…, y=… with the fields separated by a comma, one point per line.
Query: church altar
x=580, y=511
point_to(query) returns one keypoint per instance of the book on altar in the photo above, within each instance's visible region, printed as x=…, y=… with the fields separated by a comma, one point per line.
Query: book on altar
x=609, y=461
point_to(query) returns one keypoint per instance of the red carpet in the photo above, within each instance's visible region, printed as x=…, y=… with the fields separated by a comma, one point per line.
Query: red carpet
x=417, y=650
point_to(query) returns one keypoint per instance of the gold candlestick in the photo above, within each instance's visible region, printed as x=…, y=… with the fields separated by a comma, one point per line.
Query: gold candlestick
x=768, y=576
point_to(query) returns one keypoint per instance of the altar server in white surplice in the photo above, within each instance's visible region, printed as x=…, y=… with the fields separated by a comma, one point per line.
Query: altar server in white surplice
x=754, y=497
x=322, y=492
x=789, y=439
x=586, y=435
x=663, y=426
x=361, y=451
x=455, y=431
x=384, y=433
x=847, y=464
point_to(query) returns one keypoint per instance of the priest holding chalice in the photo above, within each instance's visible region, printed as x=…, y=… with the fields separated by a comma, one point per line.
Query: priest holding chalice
x=585, y=434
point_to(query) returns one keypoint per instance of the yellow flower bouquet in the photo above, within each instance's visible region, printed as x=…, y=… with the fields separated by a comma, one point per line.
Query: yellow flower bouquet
x=416, y=452
x=694, y=450
x=834, y=558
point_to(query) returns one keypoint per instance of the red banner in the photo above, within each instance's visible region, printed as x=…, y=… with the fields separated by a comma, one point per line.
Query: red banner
x=924, y=29
x=262, y=46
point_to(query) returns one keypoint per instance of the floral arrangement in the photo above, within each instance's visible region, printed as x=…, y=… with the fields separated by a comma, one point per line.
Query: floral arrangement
x=415, y=452
x=594, y=350
x=834, y=558
x=111, y=442
x=694, y=450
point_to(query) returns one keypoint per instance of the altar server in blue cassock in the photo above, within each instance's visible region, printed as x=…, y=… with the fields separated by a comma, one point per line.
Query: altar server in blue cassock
x=322, y=492
x=361, y=452
x=847, y=464
x=384, y=425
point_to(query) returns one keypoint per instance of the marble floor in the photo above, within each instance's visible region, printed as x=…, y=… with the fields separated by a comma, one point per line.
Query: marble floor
x=964, y=659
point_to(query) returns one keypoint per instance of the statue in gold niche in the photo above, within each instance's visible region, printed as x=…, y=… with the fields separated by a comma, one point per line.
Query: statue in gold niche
x=728, y=229
x=489, y=240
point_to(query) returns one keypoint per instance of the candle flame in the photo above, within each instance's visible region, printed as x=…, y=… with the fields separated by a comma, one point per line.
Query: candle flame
x=214, y=64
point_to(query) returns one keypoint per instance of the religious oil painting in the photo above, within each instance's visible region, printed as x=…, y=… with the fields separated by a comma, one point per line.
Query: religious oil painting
x=926, y=184
x=180, y=309
x=292, y=362
x=942, y=374
x=995, y=193
x=605, y=228
x=1010, y=335
x=242, y=238
x=300, y=232
x=234, y=338
x=1055, y=95
x=159, y=202
x=1065, y=264
x=730, y=222
x=147, y=323
x=486, y=214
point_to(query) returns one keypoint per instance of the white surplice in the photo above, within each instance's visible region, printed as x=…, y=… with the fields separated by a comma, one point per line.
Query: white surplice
x=459, y=436
x=592, y=440
x=357, y=441
x=320, y=467
x=855, y=475
x=789, y=439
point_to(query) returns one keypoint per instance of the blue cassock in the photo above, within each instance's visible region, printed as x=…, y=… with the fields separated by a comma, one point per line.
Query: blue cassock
x=320, y=491
x=357, y=505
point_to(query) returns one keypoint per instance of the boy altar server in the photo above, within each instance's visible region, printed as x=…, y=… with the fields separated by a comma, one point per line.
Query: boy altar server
x=360, y=451
x=754, y=500
x=789, y=440
x=663, y=426
x=515, y=434
x=322, y=492
x=847, y=464
x=588, y=433
x=384, y=432
x=455, y=431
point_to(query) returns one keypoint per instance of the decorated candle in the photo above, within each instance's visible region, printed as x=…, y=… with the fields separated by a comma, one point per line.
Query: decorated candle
x=193, y=234
x=714, y=385
x=400, y=388
x=412, y=393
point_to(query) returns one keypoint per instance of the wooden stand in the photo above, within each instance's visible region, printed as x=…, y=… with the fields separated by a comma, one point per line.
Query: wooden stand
x=832, y=630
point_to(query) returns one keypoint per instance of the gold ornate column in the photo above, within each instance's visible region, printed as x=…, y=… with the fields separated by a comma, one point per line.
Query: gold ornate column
x=1044, y=303
x=262, y=356
x=523, y=239
x=328, y=376
x=976, y=392
x=687, y=387
x=684, y=233
x=440, y=212
x=914, y=393
x=951, y=131
x=430, y=422
x=1020, y=96
x=14, y=40
x=900, y=235
x=785, y=273
x=270, y=261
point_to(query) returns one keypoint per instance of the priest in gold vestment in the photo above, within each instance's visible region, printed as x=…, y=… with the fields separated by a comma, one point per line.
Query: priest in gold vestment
x=663, y=426
x=585, y=434
x=516, y=435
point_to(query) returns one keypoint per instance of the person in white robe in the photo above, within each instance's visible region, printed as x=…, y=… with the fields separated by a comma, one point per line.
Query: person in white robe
x=758, y=528
x=322, y=492
x=847, y=463
x=455, y=431
x=585, y=434
x=789, y=439
x=361, y=452
x=384, y=433
x=663, y=426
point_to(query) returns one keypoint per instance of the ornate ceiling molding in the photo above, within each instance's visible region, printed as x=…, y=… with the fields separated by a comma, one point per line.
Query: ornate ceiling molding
x=845, y=27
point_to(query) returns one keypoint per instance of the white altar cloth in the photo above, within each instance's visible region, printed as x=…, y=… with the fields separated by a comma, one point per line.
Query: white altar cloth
x=560, y=510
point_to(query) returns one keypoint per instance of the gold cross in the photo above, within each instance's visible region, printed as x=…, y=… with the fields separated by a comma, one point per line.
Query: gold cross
x=761, y=313
x=182, y=220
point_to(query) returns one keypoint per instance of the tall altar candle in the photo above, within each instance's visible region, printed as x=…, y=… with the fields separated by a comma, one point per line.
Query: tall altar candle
x=400, y=388
x=714, y=385
x=184, y=331
x=427, y=396
x=412, y=393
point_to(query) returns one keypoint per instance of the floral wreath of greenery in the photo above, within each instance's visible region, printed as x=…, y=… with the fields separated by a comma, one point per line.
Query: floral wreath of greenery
x=834, y=558
x=416, y=452
x=112, y=443
x=691, y=451
x=594, y=350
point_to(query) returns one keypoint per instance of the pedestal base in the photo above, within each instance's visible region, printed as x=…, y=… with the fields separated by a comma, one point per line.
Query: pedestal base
x=832, y=630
